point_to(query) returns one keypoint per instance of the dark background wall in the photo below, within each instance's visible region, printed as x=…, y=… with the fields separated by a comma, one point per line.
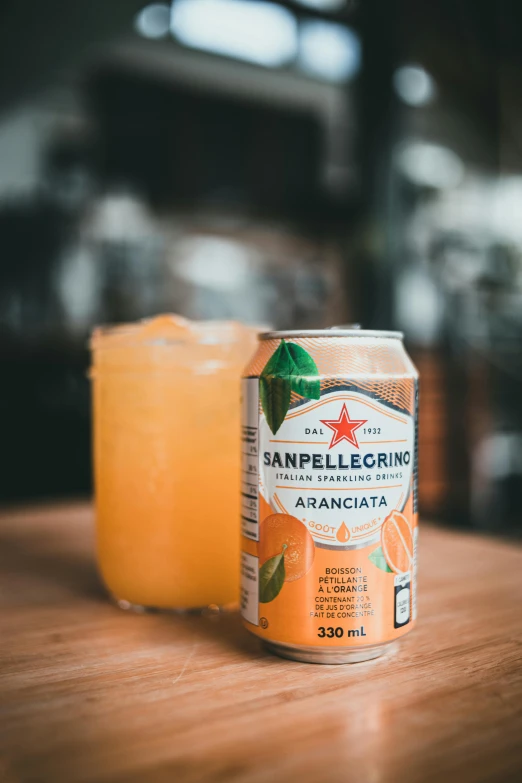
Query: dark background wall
x=373, y=174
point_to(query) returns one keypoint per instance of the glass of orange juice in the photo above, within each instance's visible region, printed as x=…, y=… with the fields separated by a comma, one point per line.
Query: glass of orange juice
x=167, y=460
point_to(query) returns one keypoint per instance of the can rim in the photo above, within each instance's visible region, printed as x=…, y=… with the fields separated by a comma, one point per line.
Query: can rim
x=331, y=333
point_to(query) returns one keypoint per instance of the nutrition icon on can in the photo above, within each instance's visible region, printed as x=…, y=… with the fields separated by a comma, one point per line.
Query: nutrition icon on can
x=329, y=493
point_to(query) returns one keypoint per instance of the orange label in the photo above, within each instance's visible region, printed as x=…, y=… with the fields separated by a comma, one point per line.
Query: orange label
x=329, y=518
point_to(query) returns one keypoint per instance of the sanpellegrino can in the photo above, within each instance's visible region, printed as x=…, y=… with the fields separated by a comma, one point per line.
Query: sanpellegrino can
x=329, y=493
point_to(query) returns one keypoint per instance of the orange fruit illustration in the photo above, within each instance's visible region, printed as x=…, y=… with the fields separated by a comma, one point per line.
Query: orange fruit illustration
x=397, y=542
x=280, y=529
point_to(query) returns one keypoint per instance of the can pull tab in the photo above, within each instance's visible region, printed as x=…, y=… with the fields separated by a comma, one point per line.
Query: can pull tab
x=345, y=326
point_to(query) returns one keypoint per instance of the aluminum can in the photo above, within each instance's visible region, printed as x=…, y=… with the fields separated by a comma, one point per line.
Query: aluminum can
x=329, y=493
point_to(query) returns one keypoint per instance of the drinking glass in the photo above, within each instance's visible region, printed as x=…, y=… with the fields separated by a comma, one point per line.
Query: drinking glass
x=167, y=460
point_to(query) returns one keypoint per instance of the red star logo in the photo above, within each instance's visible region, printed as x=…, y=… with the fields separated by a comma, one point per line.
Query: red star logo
x=344, y=428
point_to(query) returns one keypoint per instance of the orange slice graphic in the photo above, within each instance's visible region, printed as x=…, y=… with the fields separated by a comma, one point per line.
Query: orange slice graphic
x=397, y=542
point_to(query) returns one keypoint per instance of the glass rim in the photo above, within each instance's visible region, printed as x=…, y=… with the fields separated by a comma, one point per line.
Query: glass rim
x=104, y=337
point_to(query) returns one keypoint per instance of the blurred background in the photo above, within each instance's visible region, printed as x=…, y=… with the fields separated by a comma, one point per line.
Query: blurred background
x=300, y=163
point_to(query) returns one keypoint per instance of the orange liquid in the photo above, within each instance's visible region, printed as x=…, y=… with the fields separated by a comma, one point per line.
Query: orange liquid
x=167, y=460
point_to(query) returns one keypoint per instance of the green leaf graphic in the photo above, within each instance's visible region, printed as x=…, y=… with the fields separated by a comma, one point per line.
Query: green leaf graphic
x=275, y=399
x=290, y=368
x=306, y=387
x=378, y=559
x=272, y=577
x=280, y=364
x=305, y=375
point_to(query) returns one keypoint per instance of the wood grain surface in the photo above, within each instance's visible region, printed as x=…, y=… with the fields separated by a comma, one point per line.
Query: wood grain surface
x=91, y=693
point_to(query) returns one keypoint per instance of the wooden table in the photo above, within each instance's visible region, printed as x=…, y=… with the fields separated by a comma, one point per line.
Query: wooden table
x=91, y=693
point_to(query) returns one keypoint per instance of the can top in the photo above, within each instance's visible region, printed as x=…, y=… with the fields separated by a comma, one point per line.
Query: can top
x=333, y=331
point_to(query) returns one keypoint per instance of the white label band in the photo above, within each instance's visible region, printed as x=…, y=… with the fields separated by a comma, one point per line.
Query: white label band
x=340, y=464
